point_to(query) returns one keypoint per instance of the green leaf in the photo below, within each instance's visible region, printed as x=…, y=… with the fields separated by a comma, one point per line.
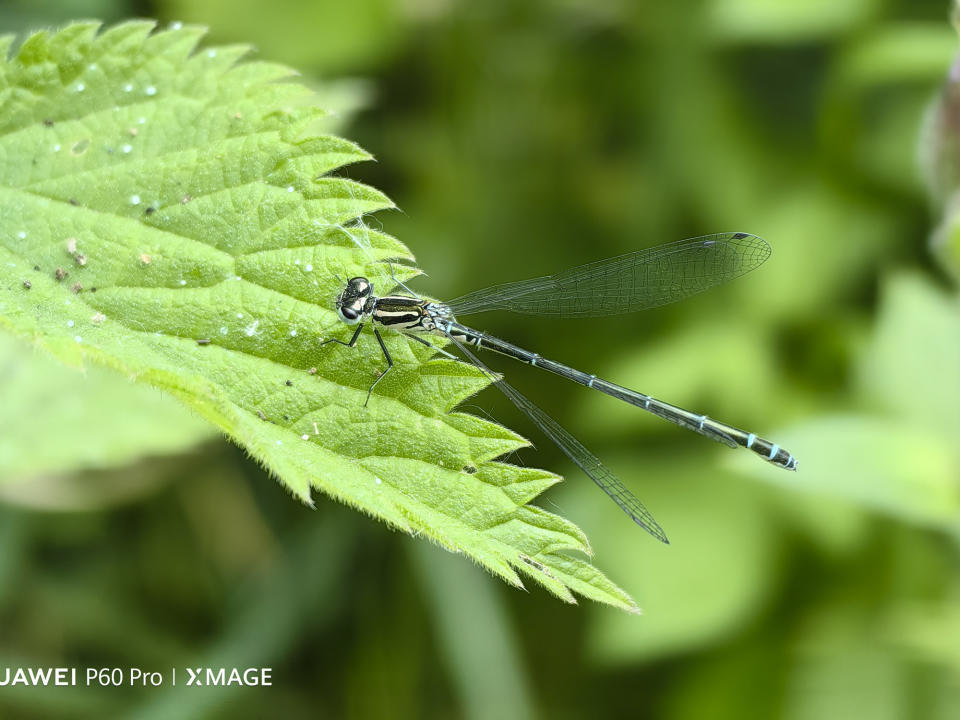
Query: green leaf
x=841, y=666
x=331, y=37
x=169, y=213
x=930, y=630
x=901, y=458
x=475, y=636
x=899, y=52
x=910, y=367
x=780, y=22
x=887, y=465
x=58, y=421
x=713, y=579
x=946, y=241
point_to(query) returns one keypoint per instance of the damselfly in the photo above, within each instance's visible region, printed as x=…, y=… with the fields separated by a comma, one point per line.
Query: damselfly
x=635, y=281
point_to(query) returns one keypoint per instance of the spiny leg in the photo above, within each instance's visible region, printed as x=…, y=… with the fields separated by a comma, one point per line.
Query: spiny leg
x=353, y=343
x=432, y=346
x=389, y=359
x=398, y=281
x=442, y=352
x=353, y=340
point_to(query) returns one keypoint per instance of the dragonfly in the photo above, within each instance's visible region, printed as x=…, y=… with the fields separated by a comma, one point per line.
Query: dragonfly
x=627, y=283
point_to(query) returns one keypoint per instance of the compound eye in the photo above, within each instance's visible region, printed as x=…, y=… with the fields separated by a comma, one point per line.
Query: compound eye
x=348, y=314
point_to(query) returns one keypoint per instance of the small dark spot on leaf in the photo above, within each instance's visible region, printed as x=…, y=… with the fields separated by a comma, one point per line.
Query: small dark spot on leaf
x=286, y=417
x=150, y=210
x=81, y=259
x=93, y=289
x=37, y=268
x=77, y=287
x=203, y=341
x=535, y=564
x=27, y=284
x=73, y=201
x=48, y=122
x=289, y=383
x=60, y=274
x=469, y=469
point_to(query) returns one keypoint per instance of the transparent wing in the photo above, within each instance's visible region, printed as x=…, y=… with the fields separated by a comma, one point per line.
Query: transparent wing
x=574, y=450
x=627, y=283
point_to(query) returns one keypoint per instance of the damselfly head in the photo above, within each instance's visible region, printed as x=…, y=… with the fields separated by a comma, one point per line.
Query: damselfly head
x=355, y=301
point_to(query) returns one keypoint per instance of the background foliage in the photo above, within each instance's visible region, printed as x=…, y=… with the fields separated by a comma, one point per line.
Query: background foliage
x=519, y=139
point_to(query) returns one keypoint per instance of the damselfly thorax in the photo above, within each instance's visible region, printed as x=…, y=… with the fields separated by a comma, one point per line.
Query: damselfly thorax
x=357, y=303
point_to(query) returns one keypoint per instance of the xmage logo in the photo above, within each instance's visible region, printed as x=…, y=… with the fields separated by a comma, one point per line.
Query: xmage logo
x=222, y=677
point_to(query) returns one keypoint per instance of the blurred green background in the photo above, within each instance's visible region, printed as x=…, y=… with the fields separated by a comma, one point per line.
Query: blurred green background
x=520, y=138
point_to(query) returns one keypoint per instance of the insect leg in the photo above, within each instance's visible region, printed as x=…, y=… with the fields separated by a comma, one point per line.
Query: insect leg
x=353, y=340
x=386, y=354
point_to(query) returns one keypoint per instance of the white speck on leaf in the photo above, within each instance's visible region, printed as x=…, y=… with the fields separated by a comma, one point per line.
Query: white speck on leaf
x=251, y=329
x=128, y=87
x=151, y=90
x=134, y=199
x=70, y=323
x=223, y=330
x=309, y=268
x=127, y=148
x=81, y=87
